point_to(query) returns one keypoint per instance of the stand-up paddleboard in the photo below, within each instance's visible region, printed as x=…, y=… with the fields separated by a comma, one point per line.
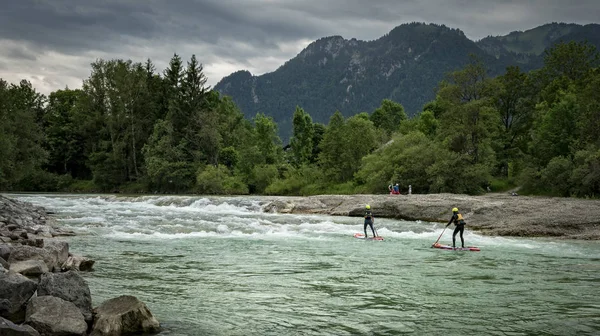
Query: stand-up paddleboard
x=362, y=236
x=448, y=247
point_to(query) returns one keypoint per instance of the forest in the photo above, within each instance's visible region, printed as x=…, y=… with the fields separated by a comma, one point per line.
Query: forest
x=131, y=129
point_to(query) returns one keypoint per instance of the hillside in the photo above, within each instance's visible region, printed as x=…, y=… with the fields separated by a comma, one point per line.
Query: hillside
x=405, y=65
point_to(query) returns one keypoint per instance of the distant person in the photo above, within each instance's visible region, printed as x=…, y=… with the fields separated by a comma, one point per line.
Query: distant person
x=459, y=224
x=369, y=220
x=390, y=188
x=396, y=189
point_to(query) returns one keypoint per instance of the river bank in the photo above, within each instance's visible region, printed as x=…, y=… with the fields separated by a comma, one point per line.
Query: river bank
x=490, y=214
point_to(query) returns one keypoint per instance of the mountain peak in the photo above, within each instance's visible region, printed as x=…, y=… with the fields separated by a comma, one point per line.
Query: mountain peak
x=405, y=65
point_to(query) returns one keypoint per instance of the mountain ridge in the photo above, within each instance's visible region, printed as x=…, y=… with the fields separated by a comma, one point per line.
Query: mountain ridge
x=405, y=65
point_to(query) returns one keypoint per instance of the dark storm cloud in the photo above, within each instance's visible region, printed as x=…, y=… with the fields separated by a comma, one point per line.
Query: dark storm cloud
x=54, y=38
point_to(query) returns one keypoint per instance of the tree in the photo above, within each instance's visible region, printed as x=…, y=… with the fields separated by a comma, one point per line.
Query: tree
x=63, y=138
x=388, y=116
x=330, y=159
x=514, y=102
x=21, y=138
x=267, y=140
x=301, y=142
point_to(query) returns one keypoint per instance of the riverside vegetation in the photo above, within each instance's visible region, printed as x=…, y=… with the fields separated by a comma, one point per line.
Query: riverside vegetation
x=130, y=129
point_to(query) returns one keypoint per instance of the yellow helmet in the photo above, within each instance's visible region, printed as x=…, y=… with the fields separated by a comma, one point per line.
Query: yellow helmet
x=455, y=210
x=368, y=207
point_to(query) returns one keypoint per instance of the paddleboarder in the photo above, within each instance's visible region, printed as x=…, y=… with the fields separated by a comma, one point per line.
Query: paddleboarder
x=459, y=224
x=369, y=220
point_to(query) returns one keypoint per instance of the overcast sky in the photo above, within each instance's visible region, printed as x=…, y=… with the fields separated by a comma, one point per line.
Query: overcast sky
x=52, y=42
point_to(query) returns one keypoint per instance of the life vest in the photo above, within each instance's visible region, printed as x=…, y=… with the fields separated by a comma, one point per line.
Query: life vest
x=368, y=214
x=459, y=219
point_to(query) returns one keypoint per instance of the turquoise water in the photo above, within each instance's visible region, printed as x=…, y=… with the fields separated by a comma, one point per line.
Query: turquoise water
x=220, y=266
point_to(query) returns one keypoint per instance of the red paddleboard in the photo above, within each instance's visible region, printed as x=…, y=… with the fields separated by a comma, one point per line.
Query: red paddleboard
x=447, y=247
x=362, y=236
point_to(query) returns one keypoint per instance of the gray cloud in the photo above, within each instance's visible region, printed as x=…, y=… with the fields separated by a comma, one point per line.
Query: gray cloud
x=52, y=42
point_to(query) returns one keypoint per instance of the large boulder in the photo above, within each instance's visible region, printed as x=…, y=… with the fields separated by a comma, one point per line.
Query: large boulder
x=15, y=290
x=58, y=248
x=7, y=328
x=54, y=316
x=24, y=252
x=123, y=315
x=78, y=263
x=29, y=267
x=69, y=286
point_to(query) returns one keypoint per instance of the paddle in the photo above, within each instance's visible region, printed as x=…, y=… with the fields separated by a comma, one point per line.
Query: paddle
x=439, y=237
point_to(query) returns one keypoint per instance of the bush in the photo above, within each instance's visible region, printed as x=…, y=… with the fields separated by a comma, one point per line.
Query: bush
x=218, y=181
x=44, y=181
x=83, y=186
x=304, y=181
x=501, y=185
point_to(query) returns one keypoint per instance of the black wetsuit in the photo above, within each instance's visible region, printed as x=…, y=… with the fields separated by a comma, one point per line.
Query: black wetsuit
x=369, y=221
x=459, y=227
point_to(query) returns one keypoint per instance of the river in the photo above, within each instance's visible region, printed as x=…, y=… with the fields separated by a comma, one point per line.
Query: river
x=221, y=266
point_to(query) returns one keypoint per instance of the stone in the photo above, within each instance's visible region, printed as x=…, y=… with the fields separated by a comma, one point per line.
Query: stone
x=58, y=248
x=69, y=286
x=54, y=316
x=78, y=263
x=22, y=253
x=123, y=315
x=15, y=290
x=5, y=251
x=29, y=267
x=7, y=328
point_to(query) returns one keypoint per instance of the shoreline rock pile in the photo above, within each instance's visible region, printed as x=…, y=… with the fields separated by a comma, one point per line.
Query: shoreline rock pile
x=42, y=291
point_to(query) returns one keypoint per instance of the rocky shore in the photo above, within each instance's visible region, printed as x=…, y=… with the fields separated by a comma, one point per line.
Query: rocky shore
x=490, y=214
x=42, y=291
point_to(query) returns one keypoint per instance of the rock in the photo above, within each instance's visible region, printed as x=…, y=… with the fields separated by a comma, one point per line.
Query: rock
x=15, y=290
x=4, y=239
x=78, y=264
x=12, y=227
x=54, y=316
x=5, y=251
x=29, y=267
x=69, y=286
x=58, y=248
x=22, y=253
x=123, y=315
x=61, y=233
x=7, y=328
x=4, y=264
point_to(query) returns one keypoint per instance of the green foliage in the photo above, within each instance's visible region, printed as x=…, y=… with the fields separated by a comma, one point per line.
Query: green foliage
x=304, y=180
x=132, y=130
x=21, y=138
x=585, y=178
x=301, y=143
x=267, y=140
x=218, y=180
x=500, y=185
x=82, y=186
x=343, y=146
x=388, y=116
x=262, y=176
x=556, y=131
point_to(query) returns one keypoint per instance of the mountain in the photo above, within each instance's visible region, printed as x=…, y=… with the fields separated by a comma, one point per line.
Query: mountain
x=405, y=65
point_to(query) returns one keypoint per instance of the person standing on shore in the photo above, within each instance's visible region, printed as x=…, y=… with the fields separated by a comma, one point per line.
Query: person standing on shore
x=369, y=220
x=459, y=226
